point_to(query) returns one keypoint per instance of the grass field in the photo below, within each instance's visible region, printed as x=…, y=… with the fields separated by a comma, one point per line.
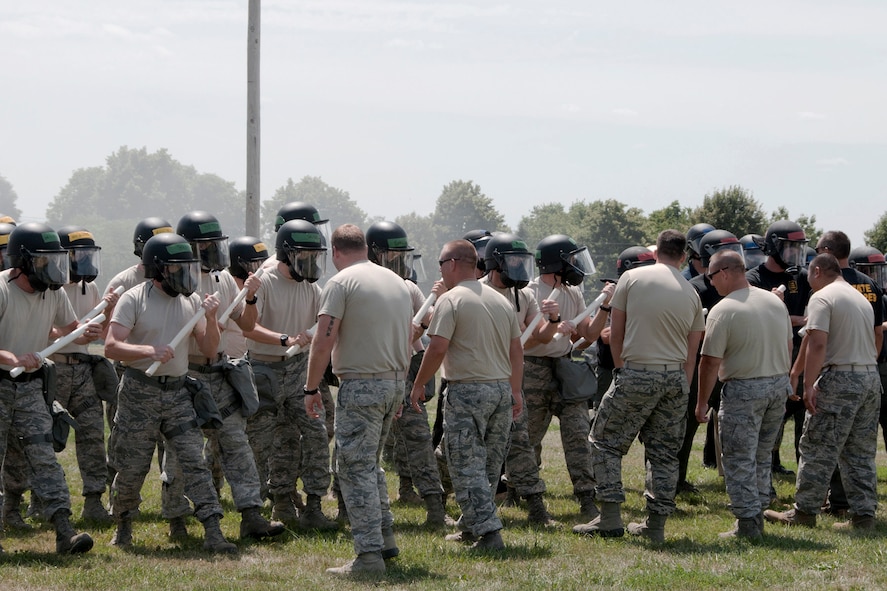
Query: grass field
x=693, y=556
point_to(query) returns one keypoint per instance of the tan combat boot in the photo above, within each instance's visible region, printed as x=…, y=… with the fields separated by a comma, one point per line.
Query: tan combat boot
x=653, y=527
x=368, y=564
x=254, y=525
x=606, y=525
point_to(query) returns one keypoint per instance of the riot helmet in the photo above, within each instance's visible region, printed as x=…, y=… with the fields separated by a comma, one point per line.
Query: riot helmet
x=5, y=230
x=509, y=255
x=300, y=245
x=387, y=246
x=694, y=235
x=870, y=260
x=480, y=239
x=145, y=229
x=298, y=210
x=718, y=240
x=247, y=255
x=169, y=259
x=784, y=242
x=559, y=254
x=85, y=255
x=203, y=231
x=809, y=255
x=634, y=257
x=36, y=250
x=751, y=244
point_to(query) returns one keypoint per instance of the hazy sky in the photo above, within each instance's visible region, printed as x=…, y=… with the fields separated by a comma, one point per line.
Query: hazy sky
x=645, y=102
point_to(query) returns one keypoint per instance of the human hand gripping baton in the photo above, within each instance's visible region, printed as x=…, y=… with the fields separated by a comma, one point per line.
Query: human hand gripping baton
x=590, y=310
x=100, y=306
x=186, y=330
x=59, y=343
x=241, y=295
x=295, y=349
x=532, y=325
x=426, y=305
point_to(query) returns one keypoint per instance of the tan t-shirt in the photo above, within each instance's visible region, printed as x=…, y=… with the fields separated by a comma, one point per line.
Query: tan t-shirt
x=154, y=318
x=750, y=331
x=81, y=303
x=374, y=308
x=228, y=290
x=27, y=318
x=480, y=324
x=571, y=303
x=284, y=305
x=847, y=316
x=529, y=307
x=661, y=309
x=128, y=278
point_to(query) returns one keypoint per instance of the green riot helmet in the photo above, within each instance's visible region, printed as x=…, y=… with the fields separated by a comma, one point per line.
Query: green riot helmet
x=36, y=249
x=784, y=242
x=509, y=255
x=145, y=229
x=869, y=260
x=204, y=232
x=169, y=259
x=247, y=255
x=718, y=240
x=387, y=246
x=5, y=230
x=559, y=254
x=634, y=257
x=298, y=210
x=85, y=255
x=479, y=238
x=301, y=246
x=751, y=245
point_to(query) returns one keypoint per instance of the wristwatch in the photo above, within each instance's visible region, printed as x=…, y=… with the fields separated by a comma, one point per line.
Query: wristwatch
x=310, y=392
x=556, y=320
x=283, y=339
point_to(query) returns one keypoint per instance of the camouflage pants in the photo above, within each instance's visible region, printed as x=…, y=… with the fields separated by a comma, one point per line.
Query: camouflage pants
x=260, y=431
x=237, y=460
x=23, y=413
x=144, y=413
x=521, y=462
x=543, y=401
x=363, y=420
x=15, y=476
x=843, y=433
x=477, y=423
x=749, y=419
x=652, y=404
x=76, y=393
x=412, y=453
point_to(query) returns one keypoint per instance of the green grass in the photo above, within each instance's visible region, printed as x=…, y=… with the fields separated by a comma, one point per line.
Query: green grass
x=693, y=556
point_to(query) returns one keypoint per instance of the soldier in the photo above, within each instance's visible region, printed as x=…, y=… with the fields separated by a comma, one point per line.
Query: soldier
x=287, y=305
x=145, y=320
x=204, y=234
x=364, y=325
x=655, y=327
x=387, y=246
x=842, y=393
x=694, y=259
x=31, y=304
x=747, y=347
x=132, y=276
x=475, y=334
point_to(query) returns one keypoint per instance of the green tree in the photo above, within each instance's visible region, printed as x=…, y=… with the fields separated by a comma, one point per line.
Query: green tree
x=8, y=198
x=332, y=203
x=671, y=217
x=733, y=209
x=876, y=236
x=607, y=228
x=462, y=207
x=545, y=220
x=808, y=223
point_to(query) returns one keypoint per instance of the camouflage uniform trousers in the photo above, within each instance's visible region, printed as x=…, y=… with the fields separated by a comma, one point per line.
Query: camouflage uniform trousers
x=15, y=474
x=649, y=404
x=77, y=394
x=543, y=401
x=412, y=454
x=238, y=462
x=23, y=413
x=144, y=413
x=365, y=411
x=521, y=464
x=749, y=419
x=295, y=428
x=843, y=432
x=477, y=423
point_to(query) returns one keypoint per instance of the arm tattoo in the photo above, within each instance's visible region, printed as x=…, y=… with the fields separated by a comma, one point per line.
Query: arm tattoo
x=329, y=328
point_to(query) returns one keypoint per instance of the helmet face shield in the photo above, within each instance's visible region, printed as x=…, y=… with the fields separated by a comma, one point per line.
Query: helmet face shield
x=324, y=229
x=86, y=263
x=712, y=249
x=399, y=261
x=878, y=273
x=517, y=268
x=309, y=264
x=792, y=253
x=213, y=254
x=419, y=268
x=50, y=268
x=182, y=277
x=754, y=257
x=581, y=260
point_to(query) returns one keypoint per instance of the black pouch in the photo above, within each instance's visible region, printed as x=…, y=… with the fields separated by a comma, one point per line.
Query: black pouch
x=104, y=378
x=266, y=387
x=208, y=415
x=62, y=422
x=239, y=374
x=576, y=379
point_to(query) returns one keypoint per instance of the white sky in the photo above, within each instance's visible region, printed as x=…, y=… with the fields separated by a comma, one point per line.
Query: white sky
x=645, y=102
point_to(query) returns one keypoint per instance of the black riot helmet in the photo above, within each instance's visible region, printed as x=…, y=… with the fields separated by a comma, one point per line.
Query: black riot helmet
x=480, y=239
x=5, y=230
x=870, y=260
x=559, y=254
x=509, y=255
x=36, y=250
x=751, y=244
x=169, y=259
x=784, y=242
x=298, y=210
x=695, y=234
x=145, y=229
x=247, y=255
x=85, y=255
x=634, y=257
x=204, y=232
x=387, y=246
x=300, y=245
x=718, y=240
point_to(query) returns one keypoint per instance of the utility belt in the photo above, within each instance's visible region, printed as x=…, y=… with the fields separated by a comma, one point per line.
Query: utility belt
x=164, y=383
x=206, y=365
x=661, y=367
x=549, y=362
x=853, y=368
x=477, y=381
x=276, y=361
x=385, y=375
x=71, y=358
x=22, y=377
